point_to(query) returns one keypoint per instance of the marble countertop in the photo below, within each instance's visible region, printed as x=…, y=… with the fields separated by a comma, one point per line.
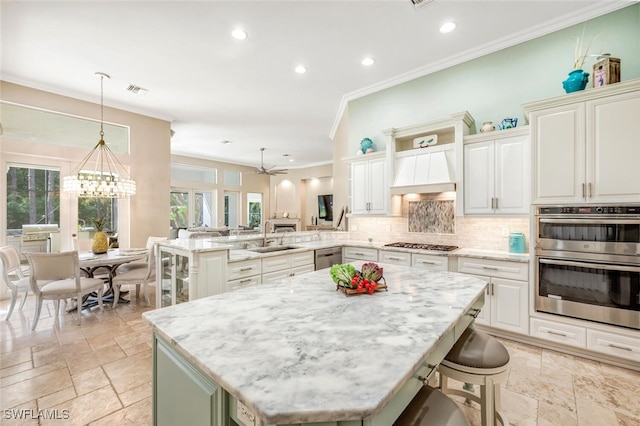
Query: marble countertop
x=297, y=350
x=196, y=244
x=492, y=254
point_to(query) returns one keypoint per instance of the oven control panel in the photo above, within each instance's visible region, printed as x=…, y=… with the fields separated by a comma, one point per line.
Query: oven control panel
x=624, y=210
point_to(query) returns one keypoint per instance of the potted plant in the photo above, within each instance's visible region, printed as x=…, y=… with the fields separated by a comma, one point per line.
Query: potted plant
x=100, y=241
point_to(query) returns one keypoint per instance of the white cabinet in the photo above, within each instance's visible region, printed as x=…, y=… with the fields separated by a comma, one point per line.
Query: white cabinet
x=584, y=146
x=244, y=273
x=394, y=257
x=431, y=262
x=370, y=186
x=357, y=254
x=507, y=295
x=287, y=265
x=184, y=274
x=608, y=340
x=496, y=173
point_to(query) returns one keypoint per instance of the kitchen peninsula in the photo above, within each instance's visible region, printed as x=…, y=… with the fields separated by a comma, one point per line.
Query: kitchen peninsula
x=297, y=351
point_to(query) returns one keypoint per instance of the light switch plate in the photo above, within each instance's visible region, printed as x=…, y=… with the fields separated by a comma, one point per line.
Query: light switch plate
x=505, y=231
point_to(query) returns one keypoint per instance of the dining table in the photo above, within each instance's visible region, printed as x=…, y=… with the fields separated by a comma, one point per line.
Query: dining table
x=91, y=264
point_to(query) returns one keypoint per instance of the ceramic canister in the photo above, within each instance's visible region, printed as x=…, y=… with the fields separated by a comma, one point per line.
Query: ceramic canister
x=517, y=243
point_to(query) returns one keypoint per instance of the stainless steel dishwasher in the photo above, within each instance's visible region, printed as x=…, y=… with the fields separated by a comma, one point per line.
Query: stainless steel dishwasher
x=327, y=257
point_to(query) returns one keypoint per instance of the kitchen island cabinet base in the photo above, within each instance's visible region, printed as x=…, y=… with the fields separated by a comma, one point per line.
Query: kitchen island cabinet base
x=182, y=394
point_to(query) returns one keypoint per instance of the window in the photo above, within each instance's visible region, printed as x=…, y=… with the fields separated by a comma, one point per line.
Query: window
x=191, y=208
x=232, y=177
x=254, y=214
x=231, y=208
x=94, y=208
x=33, y=196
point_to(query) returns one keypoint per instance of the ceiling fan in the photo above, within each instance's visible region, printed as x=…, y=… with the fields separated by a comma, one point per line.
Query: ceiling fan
x=270, y=171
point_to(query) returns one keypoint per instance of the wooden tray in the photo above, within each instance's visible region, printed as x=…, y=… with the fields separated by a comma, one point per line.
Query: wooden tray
x=351, y=291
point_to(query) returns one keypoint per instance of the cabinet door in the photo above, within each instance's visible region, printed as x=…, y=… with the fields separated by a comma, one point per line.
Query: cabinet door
x=301, y=270
x=165, y=272
x=210, y=274
x=479, y=177
x=558, y=138
x=182, y=394
x=509, y=305
x=360, y=187
x=378, y=187
x=613, y=150
x=276, y=263
x=394, y=257
x=512, y=175
x=434, y=263
x=275, y=276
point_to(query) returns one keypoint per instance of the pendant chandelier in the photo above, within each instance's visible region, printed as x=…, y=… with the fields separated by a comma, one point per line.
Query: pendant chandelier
x=100, y=174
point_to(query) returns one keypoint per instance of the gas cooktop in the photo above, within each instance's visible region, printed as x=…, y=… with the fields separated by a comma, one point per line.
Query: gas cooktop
x=419, y=246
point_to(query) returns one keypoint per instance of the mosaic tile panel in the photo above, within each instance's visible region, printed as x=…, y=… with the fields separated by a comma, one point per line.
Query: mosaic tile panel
x=432, y=217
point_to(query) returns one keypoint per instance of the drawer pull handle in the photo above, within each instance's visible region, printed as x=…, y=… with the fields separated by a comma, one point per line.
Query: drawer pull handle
x=246, y=269
x=557, y=333
x=474, y=312
x=492, y=268
x=624, y=348
x=359, y=253
x=248, y=280
x=428, y=262
x=425, y=379
x=394, y=258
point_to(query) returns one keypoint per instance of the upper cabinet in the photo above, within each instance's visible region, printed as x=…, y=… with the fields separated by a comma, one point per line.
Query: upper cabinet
x=370, y=185
x=584, y=146
x=496, y=172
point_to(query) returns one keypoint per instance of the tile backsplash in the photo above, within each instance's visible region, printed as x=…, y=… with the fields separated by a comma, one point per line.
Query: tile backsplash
x=470, y=232
x=432, y=216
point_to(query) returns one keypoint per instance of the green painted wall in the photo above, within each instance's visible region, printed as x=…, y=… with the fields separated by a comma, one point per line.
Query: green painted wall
x=495, y=86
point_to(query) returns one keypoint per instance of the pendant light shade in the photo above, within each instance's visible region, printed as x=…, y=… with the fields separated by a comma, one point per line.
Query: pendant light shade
x=100, y=174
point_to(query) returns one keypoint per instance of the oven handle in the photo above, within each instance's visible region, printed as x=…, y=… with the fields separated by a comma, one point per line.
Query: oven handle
x=592, y=221
x=591, y=265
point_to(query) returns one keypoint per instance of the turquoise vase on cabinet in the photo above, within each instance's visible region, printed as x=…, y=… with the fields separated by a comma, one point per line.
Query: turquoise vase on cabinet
x=577, y=81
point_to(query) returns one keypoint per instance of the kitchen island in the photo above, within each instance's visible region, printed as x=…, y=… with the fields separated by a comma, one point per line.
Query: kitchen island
x=299, y=352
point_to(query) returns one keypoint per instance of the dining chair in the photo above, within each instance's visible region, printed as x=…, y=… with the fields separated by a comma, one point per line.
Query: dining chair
x=10, y=261
x=56, y=276
x=138, y=273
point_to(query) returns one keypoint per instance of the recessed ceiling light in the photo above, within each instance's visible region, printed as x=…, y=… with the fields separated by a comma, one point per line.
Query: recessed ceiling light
x=291, y=160
x=239, y=34
x=447, y=27
x=368, y=61
x=301, y=69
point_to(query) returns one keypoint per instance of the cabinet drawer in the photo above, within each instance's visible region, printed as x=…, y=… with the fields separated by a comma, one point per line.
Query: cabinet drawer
x=494, y=268
x=359, y=253
x=276, y=263
x=245, y=268
x=302, y=270
x=395, y=257
x=243, y=282
x=561, y=333
x=614, y=344
x=434, y=263
x=275, y=276
x=301, y=259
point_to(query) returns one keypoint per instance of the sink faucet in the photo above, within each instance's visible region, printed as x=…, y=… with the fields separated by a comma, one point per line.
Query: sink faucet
x=264, y=238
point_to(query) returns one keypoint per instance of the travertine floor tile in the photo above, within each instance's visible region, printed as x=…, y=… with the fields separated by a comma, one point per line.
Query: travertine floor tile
x=89, y=407
x=590, y=414
x=89, y=380
x=137, y=414
x=554, y=415
x=37, y=387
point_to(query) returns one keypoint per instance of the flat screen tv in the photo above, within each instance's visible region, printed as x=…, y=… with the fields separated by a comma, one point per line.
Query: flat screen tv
x=325, y=207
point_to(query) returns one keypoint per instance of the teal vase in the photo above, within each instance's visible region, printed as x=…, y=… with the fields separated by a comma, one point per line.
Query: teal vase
x=577, y=81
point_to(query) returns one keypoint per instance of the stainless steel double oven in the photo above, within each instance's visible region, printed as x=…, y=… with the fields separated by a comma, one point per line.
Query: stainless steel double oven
x=587, y=261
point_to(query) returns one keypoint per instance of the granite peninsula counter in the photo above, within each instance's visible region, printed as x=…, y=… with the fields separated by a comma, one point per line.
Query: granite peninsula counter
x=298, y=352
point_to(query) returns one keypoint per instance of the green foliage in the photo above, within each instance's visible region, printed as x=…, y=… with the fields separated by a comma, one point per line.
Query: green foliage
x=99, y=223
x=342, y=273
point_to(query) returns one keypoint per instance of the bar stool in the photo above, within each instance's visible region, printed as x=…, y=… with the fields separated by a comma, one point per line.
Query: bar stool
x=479, y=359
x=430, y=407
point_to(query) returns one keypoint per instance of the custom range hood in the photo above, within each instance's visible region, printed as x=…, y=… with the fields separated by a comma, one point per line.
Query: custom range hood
x=425, y=171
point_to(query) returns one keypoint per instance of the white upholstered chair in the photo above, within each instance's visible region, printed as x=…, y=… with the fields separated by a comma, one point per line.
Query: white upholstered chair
x=137, y=273
x=13, y=277
x=56, y=276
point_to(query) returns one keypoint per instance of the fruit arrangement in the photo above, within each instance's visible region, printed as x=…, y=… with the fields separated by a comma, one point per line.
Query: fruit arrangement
x=368, y=280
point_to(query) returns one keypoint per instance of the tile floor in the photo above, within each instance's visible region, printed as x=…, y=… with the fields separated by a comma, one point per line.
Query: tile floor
x=100, y=374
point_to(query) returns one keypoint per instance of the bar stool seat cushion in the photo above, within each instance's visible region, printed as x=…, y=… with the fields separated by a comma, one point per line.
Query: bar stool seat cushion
x=431, y=407
x=478, y=350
